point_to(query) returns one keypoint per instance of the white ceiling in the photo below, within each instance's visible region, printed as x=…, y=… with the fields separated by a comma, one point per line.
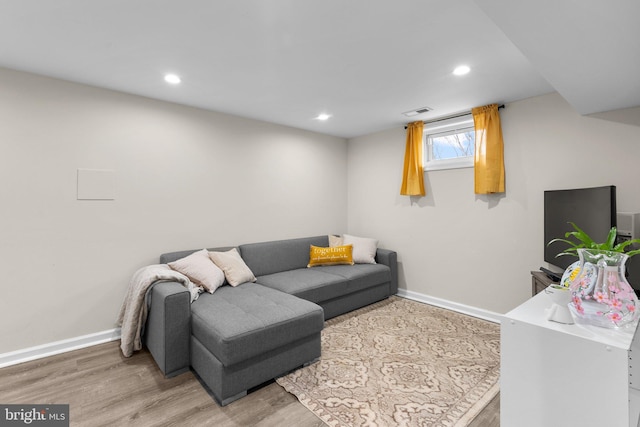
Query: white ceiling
x=588, y=50
x=363, y=61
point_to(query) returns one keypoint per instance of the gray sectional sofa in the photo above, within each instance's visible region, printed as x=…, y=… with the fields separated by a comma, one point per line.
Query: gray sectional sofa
x=239, y=337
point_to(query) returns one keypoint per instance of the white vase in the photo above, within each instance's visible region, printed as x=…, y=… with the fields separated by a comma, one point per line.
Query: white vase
x=600, y=293
x=559, y=311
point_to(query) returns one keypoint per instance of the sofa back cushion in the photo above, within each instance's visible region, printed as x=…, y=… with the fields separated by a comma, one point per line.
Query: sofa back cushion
x=280, y=255
x=174, y=256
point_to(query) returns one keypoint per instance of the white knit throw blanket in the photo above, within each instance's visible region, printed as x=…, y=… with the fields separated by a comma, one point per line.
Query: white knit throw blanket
x=133, y=313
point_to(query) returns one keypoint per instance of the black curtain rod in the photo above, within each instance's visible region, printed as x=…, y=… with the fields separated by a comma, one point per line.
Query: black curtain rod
x=452, y=117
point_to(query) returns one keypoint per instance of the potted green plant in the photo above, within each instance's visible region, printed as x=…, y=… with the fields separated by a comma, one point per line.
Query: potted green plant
x=600, y=293
x=583, y=241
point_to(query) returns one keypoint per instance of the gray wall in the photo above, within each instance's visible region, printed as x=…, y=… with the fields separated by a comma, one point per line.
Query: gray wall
x=479, y=250
x=185, y=178
x=188, y=178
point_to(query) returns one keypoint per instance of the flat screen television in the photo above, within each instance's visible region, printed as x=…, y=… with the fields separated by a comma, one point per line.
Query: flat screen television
x=591, y=209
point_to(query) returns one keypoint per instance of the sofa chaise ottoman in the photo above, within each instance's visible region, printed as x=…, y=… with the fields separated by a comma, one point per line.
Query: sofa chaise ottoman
x=239, y=337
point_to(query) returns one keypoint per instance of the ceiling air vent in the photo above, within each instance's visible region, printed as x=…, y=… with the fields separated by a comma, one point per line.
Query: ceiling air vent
x=417, y=111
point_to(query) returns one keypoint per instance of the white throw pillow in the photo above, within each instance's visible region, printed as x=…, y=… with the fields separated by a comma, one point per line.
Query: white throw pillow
x=234, y=267
x=335, y=241
x=199, y=268
x=364, y=249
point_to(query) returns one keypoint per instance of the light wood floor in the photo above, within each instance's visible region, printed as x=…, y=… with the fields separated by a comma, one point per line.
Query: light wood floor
x=104, y=388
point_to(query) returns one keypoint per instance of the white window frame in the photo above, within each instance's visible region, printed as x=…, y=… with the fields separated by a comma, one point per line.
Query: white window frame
x=458, y=124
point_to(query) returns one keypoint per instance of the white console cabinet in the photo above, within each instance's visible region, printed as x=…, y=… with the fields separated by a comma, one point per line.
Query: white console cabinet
x=556, y=375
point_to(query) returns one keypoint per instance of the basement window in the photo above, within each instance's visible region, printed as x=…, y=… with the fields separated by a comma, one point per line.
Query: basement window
x=449, y=144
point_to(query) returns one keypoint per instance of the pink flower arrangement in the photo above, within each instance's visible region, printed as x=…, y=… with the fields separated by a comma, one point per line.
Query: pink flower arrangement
x=600, y=297
x=616, y=304
x=614, y=317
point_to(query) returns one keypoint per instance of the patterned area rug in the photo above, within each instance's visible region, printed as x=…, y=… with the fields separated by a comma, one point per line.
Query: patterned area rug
x=401, y=363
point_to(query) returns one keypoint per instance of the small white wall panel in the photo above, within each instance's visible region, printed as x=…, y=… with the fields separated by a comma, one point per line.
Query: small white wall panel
x=96, y=184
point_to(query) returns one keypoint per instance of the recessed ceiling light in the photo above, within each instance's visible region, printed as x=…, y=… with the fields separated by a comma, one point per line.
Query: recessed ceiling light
x=323, y=116
x=461, y=70
x=172, y=78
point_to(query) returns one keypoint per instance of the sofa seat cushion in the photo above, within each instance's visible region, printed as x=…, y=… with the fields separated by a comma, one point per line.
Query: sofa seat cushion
x=236, y=324
x=361, y=276
x=324, y=283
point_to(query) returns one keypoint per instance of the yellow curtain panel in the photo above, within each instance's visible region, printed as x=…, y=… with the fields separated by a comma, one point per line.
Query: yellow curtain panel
x=489, y=150
x=413, y=175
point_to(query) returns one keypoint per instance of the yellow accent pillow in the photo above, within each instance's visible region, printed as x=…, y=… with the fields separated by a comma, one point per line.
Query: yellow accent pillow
x=330, y=256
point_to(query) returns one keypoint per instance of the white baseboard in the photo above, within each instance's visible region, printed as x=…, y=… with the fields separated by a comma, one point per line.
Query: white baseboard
x=50, y=349
x=58, y=347
x=491, y=316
